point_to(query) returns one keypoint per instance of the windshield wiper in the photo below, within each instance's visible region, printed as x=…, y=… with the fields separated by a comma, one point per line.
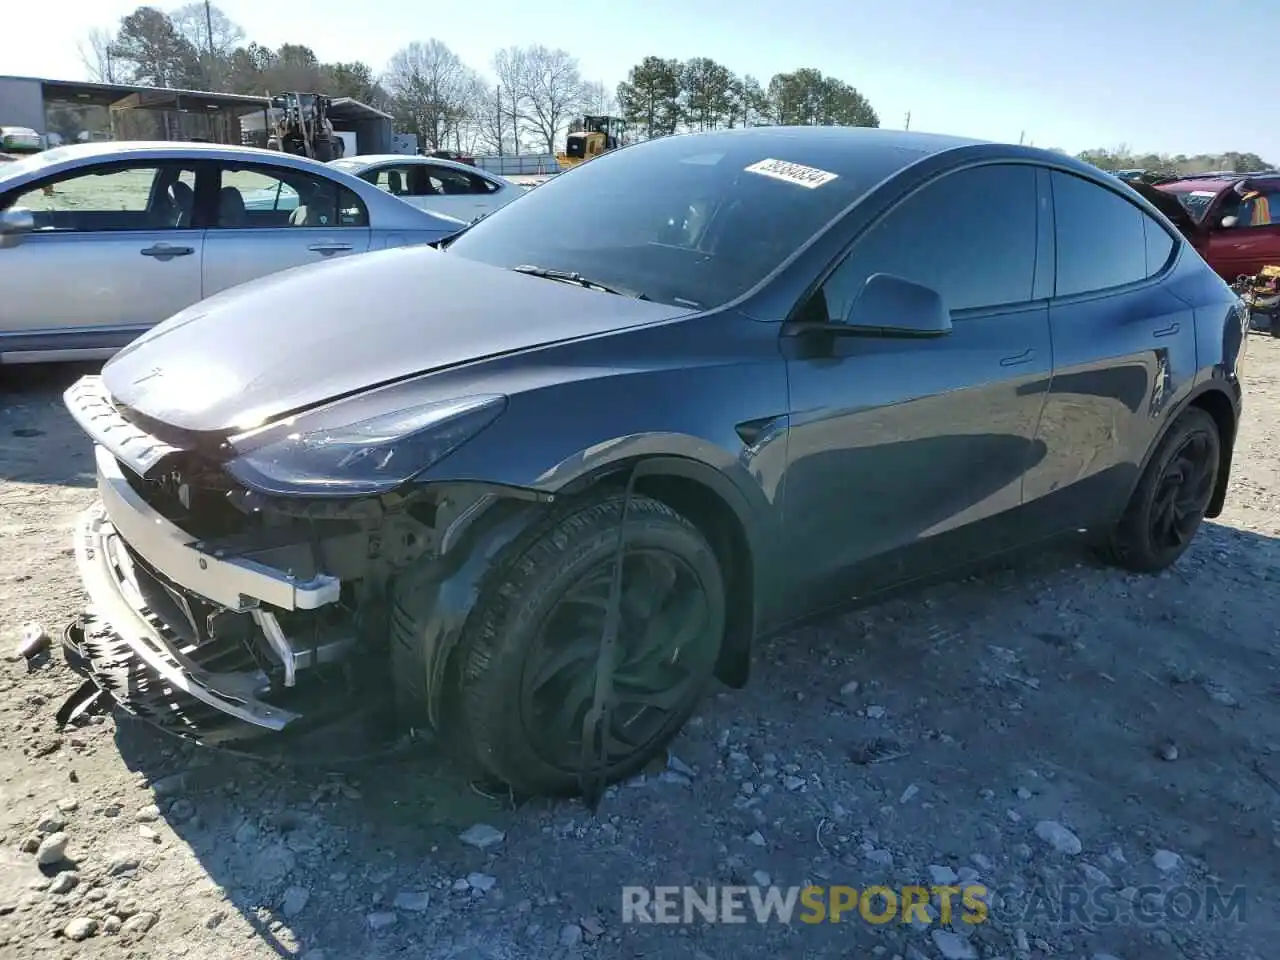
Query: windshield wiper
x=572, y=276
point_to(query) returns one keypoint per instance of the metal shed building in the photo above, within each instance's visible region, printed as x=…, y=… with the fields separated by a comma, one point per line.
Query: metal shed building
x=180, y=114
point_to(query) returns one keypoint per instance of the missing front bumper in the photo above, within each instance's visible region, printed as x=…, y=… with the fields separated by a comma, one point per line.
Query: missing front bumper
x=236, y=583
x=131, y=653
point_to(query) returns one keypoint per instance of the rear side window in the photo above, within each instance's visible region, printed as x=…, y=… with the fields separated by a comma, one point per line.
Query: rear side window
x=970, y=235
x=1159, y=245
x=1102, y=238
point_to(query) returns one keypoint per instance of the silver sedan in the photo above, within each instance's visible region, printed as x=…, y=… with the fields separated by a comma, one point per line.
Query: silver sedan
x=99, y=242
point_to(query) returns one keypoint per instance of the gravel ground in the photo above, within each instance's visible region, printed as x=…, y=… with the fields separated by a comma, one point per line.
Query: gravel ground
x=1044, y=728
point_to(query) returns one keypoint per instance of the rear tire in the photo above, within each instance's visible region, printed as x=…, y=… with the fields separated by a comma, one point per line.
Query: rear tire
x=522, y=677
x=1171, y=498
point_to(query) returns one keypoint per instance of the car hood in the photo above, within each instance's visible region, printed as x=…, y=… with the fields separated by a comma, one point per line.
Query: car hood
x=295, y=339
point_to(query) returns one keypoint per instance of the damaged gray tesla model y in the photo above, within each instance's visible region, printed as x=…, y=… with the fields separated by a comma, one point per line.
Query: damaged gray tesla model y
x=531, y=491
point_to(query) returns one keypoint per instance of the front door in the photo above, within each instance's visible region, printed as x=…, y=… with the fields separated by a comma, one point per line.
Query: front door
x=1124, y=349
x=115, y=251
x=907, y=456
x=269, y=219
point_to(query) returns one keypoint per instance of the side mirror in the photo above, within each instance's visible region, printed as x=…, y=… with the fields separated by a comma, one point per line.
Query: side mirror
x=15, y=223
x=1227, y=222
x=889, y=306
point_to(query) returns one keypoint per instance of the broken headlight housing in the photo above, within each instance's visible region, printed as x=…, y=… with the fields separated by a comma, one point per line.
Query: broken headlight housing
x=368, y=457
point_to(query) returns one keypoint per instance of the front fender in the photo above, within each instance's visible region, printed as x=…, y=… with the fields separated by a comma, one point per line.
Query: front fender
x=475, y=546
x=1222, y=398
x=453, y=582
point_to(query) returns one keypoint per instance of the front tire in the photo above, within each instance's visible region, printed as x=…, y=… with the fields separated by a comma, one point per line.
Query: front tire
x=526, y=664
x=1171, y=498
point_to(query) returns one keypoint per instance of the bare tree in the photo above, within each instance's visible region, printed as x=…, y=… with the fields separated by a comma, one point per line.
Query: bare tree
x=553, y=91
x=97, y=53
x=213, y=34
x=430, y=89
x=207, y=28
x=509, y=66
x=599, y=100
x=489, y=116
x=470, y=128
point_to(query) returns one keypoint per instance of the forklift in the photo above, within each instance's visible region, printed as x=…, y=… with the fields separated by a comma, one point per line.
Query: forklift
x=301, y=126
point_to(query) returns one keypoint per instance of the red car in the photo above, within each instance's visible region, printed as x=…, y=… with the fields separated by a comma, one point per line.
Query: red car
x=1234, y=221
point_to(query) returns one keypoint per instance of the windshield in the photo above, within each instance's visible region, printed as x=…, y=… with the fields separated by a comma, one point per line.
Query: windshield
x=1196, y=202
x=693, y=220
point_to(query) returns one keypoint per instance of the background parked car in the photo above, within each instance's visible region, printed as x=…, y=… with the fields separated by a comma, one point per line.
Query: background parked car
x=433, y=183
x=131, y=233
x=1238, y=220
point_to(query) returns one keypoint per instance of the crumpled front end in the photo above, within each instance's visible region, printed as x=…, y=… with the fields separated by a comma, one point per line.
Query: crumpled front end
x=210, y=616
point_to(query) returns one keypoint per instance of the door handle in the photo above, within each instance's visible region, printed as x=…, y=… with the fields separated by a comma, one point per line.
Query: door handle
x=1168, y=331
x=1026, y=356
x=162, y=251
x=329, y=248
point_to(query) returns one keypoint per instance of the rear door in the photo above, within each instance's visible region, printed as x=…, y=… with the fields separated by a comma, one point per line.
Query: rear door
x=1254, y=241
x=269, y=219
x=907, y=456
x=116, y=250
x=1124, y=349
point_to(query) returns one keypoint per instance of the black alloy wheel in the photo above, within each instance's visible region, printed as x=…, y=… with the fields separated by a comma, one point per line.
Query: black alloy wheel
x=1182, y=496
x=665, y=652
x=526, y=665
x=1171, y=498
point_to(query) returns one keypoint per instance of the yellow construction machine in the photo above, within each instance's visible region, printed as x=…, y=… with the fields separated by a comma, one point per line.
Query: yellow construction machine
x=590, y=137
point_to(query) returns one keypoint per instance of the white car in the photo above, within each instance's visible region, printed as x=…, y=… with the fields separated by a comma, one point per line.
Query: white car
x=434, y=184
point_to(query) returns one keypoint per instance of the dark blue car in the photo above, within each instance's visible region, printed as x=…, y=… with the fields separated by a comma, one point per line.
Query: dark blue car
x=536, y=488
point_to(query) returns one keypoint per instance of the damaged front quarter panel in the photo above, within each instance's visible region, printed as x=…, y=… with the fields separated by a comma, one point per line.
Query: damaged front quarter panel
x=449, y=535
x=450, y=587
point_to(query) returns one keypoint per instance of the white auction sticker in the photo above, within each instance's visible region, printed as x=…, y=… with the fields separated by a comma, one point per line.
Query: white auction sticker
x=796, y=173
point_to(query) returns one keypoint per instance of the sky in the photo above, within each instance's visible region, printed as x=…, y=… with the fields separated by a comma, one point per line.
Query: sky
x=1074, y=74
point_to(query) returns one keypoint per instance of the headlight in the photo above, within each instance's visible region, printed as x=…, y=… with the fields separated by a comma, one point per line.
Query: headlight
x=366, y=457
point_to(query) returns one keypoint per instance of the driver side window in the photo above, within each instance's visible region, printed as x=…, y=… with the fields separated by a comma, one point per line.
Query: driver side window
x=969, y=235
x=139, y=197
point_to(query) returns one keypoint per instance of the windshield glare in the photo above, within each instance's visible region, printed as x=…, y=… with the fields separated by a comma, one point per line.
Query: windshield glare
x=681, y=220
